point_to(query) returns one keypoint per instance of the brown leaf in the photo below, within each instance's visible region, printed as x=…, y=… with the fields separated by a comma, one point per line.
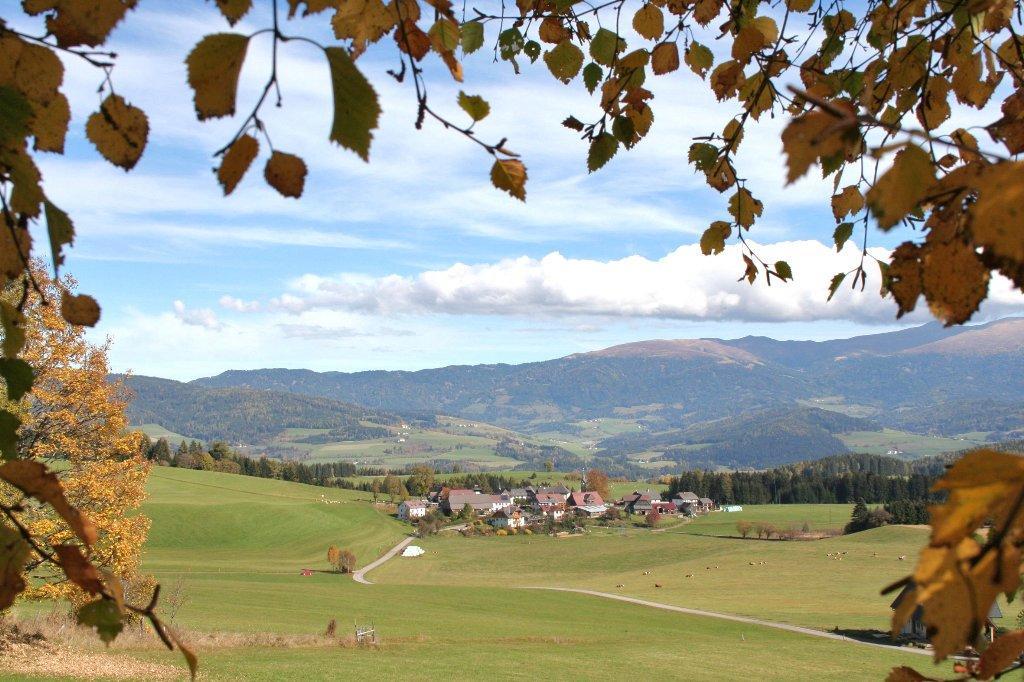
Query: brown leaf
x=78, y=569
x=35, y=480
x=905, y=674
x=813, y=137
x=233, y=10
x=649, y=21
x=14, y=552
x=412, y=40
x=1002, y=653
x=15, y=248
x=954, y=281
x=847, y=202
x=363, y=22
x=119, y=131
x=996, y=216
x=665, y=58
x=213, y=68
x=510, y=175
x=81, y=310
x=236, y=162
x=286, y=173
x=190, y=657
x=78, y=22
x=904, y=277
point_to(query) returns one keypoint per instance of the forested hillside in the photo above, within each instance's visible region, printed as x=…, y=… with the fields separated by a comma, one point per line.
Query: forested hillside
x=239, y=415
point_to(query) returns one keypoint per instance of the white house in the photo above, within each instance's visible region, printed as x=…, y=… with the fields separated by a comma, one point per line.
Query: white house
x=507, y=518
x=412, y=509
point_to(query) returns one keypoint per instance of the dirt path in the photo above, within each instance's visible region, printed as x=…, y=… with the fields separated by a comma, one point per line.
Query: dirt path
x=738, y=619
x=359, y=576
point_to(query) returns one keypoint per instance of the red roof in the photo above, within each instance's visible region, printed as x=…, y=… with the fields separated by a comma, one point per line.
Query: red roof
x=585, y=499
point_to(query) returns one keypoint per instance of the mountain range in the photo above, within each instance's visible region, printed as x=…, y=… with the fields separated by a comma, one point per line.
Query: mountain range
x=730, y=396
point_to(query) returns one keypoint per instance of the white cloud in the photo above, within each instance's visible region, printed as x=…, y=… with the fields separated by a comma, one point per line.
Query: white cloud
x=683, y=285
x=238, y=305
x=198, y=317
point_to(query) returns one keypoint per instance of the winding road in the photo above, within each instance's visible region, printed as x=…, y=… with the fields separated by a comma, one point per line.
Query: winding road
x=359, y=577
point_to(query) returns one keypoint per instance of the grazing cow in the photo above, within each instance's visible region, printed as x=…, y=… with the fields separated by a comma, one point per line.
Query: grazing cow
x=620, y=585
x=902, y=557
x=689, y=575
x=657, y=584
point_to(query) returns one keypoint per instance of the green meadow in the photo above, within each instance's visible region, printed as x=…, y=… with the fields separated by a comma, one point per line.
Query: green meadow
x=236, y=547
x=817, y=517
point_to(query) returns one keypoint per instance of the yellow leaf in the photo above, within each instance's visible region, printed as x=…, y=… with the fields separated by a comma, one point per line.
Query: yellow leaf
x=213, y=68
x=649, y=22
x=997, y=214
x=363, y=22
x=119, y=131
x=286, y=173
x=904, y=277
x=807, y=139
x=50, y=119
x=15, y=249
x=727, y=79
x=902, y=187
x=510, y=175
x=713, y=239
x=848, y=202
x=934, y=107
x=553, y=31
x=748, y=41
x=80, y=22
x=744, y=207
x=665, y=58
x=312, y=6
x=79, y=309
x=236, y=162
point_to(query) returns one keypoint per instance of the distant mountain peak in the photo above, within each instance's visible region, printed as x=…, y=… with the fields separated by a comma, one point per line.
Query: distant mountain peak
x=677, y=349
x=1002, y=336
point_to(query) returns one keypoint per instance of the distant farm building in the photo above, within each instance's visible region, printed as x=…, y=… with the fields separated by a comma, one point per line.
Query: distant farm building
x=505, y=518
x=732, y=508
x=412, y=509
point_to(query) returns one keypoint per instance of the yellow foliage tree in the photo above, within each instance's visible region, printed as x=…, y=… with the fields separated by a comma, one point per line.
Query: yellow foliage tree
x=74, y=421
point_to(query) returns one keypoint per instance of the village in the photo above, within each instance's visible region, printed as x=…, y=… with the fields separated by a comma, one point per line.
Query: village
x=517, y=508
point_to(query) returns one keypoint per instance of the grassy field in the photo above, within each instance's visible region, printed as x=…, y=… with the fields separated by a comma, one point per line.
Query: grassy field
x=818, y=517
x=796, y=583
x=155, y=432
x=235, y=546
x=912, y=445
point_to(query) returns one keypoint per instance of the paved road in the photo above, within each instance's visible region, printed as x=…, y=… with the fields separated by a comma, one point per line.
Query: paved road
x=738, y=619
x=359, y=576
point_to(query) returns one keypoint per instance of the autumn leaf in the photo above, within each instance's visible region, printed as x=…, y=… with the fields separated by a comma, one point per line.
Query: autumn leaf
x=834, y=285
x=14, y=553
x=649, y=21
x=592, y=74
x=367, y=21
x=213, y=68
x=713, y=239
x=119, y=131
x=35, y=480
x=605, y=45
x=355, y=104
x=474, y=105
x=902, y=187
x=78, y=569
x=74, y=22
x=809, y=138
x=954, y=281
x=234, y=10
x=602, y=149
x=903, y=277
x=510, y=175
x=848, y=202
x=996, y=216
x=60, y=231
x=17, y=375
x=1002, y=653
x=471, y=36
x=842, y=233
x=744, y=207
x=79, y=309
x=286, y=173
x=564, y=61
x=103, y=616
x=237, y=159
x=783, y=271
x=699, y=58
x=190, y=657
x=665, y=58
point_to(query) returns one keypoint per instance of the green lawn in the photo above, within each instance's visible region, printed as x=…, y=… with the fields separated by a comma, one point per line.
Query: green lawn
x=782, y=516
x=156, y=432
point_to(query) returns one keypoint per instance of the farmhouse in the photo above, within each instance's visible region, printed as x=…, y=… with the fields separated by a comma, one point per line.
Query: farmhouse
x=584, y=499
x=458, y=498
x=686, y=501
x=915, y=628
x=412, y=509
x=507, y=518
x=639, y=502
x=664, y=508
x=552, y=490
x=549, y=504
x=707, y=504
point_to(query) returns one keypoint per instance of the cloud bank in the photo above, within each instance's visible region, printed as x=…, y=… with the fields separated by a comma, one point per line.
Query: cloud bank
x=683, y=285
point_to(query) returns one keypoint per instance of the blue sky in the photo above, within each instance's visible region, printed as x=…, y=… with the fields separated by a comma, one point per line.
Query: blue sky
x=413, y=260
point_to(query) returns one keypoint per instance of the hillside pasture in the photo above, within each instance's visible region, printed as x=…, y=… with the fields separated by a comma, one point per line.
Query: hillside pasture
x=912, y=445
x=817, y=517
x=788, y=581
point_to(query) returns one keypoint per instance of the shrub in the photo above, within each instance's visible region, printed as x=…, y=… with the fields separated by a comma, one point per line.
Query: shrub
x=744, y=528
x=347, y=561
x=501, y=532
x=527, y=531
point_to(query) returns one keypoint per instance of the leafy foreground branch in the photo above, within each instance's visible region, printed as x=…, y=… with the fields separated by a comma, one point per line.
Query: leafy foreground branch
x=869, y=93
